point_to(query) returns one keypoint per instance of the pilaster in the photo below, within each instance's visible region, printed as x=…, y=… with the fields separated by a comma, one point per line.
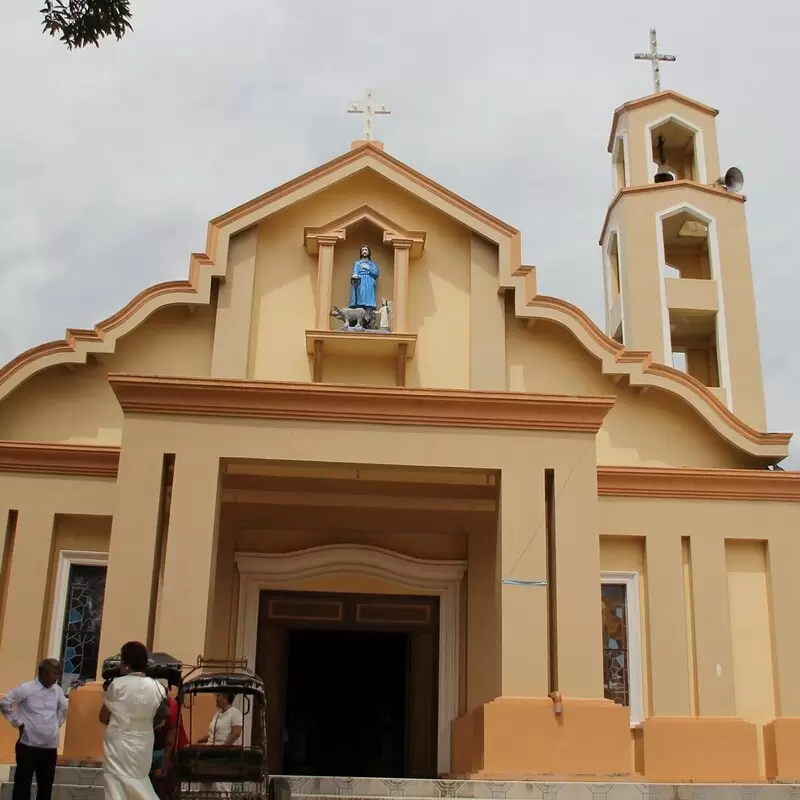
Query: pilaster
x=25, y=595
x=134, y=539
x=191, y=556
x=325, y=245
x=714, y=648
x=487, y=322
x=579, y=621
x=402, y=258
x=784, y=591
x=231, y=349
x=669, y=642
x=523, y=606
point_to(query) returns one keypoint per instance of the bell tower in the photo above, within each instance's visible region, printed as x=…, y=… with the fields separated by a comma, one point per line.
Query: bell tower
x=676, y=259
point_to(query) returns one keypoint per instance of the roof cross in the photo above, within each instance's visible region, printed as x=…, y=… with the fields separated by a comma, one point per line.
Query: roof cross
x=655, y=58
x=369, y=109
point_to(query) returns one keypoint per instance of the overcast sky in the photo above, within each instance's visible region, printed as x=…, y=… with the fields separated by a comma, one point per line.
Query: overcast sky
x=113, y=160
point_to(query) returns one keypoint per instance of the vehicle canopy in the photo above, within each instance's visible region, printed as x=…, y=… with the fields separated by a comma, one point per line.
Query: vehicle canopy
x=222, y=677
x=160, y=666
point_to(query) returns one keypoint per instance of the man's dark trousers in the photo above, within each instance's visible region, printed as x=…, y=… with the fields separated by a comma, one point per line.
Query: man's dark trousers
x=39, y=761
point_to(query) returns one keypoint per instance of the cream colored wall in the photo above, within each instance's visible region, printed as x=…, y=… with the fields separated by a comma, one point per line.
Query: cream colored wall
x=737, y=652
x=78, y=406
x=654, y=429
x=285, y=288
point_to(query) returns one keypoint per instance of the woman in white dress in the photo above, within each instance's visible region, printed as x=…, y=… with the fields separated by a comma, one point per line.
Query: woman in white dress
x=132, y=706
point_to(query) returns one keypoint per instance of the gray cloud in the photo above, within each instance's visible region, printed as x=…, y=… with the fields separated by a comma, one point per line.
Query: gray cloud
x=113, y=160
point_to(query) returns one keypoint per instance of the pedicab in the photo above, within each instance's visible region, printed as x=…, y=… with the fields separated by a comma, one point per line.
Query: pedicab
x=224, y=772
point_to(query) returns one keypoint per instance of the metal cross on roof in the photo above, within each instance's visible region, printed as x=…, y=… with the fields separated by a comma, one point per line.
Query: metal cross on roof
x=369, y=109
x=655, y=58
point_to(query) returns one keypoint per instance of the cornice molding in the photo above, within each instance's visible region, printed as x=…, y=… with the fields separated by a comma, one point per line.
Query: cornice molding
x=671, y=186
x=59, y=459
x=702, y=484
x=378, y=405
x=651, y=99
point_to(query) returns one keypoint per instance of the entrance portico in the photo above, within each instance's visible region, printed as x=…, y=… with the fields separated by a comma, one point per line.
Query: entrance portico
x=508, y=619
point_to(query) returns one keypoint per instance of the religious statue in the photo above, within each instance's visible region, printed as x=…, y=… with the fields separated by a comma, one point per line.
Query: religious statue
x=384, y=316
x=364, y=281
x=360, y=314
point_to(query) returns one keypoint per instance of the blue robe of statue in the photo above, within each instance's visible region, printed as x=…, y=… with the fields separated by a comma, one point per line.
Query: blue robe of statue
x=363, y=295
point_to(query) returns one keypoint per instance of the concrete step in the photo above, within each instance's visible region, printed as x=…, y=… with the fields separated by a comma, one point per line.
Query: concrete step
x=60, y=792
x=73, y=776
x=86, y=783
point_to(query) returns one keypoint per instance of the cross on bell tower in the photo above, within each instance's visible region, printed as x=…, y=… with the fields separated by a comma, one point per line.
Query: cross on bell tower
x=655, y=58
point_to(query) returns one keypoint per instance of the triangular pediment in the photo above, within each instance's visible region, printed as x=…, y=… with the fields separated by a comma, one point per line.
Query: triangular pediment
x=336, y=229
x=365, y=156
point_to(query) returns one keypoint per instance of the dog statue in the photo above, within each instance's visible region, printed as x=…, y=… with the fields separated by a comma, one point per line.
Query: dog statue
x=355, y=319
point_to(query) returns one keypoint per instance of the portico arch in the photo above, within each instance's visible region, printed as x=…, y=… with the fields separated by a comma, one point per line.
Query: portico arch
x=259, y=572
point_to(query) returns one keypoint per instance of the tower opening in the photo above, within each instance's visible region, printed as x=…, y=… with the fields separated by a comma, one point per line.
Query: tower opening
x=673, y=151
x=691, y=296
x=693, y=339
x=686, y=247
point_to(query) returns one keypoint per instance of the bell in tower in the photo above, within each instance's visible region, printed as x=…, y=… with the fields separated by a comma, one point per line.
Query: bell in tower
x=663, y=174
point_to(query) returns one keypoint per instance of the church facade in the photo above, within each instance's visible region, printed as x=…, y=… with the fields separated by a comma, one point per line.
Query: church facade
x=433, y=508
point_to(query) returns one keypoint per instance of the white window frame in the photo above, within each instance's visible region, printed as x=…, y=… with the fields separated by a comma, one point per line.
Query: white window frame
x=66, y=559
x=631, y=581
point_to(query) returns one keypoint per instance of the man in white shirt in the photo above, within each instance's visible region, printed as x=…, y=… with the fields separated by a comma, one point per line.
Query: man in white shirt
x=37, y=709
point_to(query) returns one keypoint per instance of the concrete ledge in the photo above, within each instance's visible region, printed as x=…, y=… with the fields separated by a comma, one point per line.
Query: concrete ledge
x=83, y=738
x=514, y=737
x=700, y=749
x=782, y=749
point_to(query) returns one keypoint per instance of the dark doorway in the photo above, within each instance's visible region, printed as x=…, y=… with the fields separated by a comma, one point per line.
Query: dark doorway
x=351, y=683
x=345, y=710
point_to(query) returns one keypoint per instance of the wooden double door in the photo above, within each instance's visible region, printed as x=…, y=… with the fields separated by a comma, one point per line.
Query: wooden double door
x=351, y=683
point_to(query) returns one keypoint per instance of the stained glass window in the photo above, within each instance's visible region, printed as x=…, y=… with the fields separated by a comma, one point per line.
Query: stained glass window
x=83, y=616
x=615, y=642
